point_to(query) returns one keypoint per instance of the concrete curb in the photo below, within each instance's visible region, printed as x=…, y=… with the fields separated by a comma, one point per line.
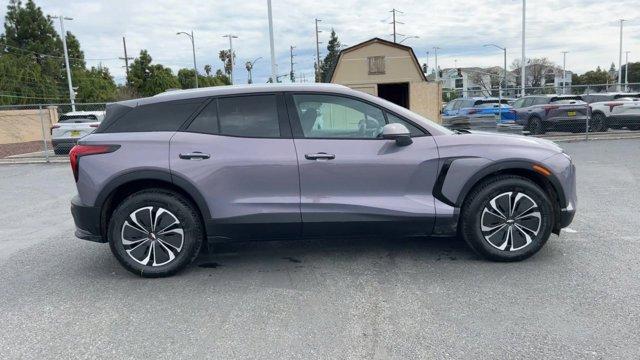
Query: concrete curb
x=18, y=161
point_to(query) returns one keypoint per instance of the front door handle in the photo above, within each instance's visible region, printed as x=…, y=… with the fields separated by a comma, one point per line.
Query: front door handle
x=320, y=156
x=196, y=155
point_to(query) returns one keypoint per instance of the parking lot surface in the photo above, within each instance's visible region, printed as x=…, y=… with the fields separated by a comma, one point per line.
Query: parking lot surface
x=342, y=298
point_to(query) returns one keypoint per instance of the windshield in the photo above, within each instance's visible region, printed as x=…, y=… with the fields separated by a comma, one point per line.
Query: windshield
x=78, y=118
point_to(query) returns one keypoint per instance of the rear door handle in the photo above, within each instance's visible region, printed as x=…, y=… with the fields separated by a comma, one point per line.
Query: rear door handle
x=196, y=155
x=320, y=156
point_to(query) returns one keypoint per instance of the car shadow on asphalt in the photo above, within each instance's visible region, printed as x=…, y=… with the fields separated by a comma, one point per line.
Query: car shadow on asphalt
x=295, y=252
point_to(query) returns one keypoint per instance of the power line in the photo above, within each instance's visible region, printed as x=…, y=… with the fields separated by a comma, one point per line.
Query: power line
x=54, y=56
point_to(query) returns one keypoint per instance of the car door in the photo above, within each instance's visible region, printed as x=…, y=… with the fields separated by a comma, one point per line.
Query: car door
x=239, y=154
x=351, y=180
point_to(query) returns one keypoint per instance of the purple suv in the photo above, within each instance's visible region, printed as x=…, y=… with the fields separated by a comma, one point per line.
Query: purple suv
x=164, y=174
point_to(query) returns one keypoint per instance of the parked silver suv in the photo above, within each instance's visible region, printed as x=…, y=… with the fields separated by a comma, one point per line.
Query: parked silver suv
x=161, y=175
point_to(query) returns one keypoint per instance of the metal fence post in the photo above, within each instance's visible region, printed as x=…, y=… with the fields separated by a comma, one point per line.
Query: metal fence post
x=44, y=134
x=586, y=134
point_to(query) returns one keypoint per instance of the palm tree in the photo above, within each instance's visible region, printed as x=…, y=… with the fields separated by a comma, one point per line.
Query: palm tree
x=207, y=69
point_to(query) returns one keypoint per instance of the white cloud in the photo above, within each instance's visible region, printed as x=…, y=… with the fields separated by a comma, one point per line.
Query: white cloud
x=587, y=29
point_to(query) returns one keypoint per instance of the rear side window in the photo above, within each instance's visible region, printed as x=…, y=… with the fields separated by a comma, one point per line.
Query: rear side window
x=207, y=121
x=249, y=116
x=164, y=116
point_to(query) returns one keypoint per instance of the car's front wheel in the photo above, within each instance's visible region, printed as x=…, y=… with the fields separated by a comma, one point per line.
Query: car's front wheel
x=155, y=233
x=507, y=218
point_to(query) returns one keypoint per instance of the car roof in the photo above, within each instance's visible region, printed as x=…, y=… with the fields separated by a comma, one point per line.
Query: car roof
x=236, y=90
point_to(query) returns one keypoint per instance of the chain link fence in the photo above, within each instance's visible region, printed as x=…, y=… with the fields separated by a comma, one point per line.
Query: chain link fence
x=552, y=111
x=45, y=131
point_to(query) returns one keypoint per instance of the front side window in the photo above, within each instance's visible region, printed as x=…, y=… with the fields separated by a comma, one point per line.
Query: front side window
x=392, y=119
x=328, y=116
x=249, y=116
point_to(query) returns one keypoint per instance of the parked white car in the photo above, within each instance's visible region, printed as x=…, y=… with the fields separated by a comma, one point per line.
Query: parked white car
x=621, y=111
x=73, y=126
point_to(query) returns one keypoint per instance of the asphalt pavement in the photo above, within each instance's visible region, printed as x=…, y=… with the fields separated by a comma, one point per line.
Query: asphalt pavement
x=395, y=298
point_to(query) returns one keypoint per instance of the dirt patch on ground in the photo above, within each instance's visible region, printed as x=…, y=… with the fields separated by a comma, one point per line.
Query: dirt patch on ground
x=21, y=148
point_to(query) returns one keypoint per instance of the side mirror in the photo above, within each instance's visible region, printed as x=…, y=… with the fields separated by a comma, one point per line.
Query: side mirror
x=397, y=132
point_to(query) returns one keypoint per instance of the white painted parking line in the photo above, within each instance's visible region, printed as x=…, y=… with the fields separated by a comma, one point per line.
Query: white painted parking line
x=569, y=230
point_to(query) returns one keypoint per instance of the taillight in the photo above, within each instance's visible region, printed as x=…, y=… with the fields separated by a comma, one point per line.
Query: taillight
x=472, y=111
x=54, y=127
x=94, y=125
x=611, y=105
x=79, y=151
x=548, y=108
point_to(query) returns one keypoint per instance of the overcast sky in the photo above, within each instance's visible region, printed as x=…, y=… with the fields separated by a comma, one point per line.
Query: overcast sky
x=588, y=29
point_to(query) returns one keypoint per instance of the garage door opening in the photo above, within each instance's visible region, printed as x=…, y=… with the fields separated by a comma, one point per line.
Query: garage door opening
x=396, y=93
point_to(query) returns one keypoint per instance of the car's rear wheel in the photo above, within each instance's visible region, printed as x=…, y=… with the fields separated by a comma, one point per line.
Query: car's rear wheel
x=598, y=122
x=633, y=127
x=155, y=233
x=507, y=218
x=536, y=127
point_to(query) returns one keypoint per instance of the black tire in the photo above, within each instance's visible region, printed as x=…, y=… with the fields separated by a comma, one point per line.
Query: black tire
x=536, y=127
x=61, y=150
x=598, y=123
x=633, y=127
x=166, y=207
x=473, y=218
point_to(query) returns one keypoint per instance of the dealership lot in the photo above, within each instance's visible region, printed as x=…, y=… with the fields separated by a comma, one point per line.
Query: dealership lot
x=343, y=298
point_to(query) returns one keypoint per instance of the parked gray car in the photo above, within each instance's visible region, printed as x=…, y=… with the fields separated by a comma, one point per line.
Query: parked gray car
x=164, y=174
x=541, y=113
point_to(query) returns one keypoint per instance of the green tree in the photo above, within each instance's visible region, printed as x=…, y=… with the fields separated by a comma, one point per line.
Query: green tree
x=330, y=61
x=95, y=85
x=634, y=72
x=150, y=79
x=226, y=60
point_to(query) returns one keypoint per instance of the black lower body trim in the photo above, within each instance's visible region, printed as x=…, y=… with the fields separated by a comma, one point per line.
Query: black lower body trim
x=87, y=220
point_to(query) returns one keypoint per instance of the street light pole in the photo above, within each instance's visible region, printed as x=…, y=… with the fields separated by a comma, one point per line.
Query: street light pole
x=620, y=58
x=564, y=71
x=72, y=95
x=249, y=66
x=523, y=64
x=273, y=51
x=193, y=49
x=231, y=56
x=626, y=71
x=504, y=75
x=318, y=52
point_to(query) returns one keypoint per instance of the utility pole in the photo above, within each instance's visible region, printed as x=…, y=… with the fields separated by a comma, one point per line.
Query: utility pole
x=620, y=58
x=291, y=75
x=394, y=11
x=318, y=52
x=231, y=56
x=193, y=49
x=274, y=70
x=626, y=71
x=72, y=94
x=435, y=54
x=523, y=61
x=564, y=71
x=126, y=58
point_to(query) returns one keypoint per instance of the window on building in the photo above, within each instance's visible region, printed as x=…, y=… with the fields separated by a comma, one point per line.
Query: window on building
x=376, y=65
x=459, y=83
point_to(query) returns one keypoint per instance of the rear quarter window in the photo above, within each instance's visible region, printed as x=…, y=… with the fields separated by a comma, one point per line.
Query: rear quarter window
x=164, y=116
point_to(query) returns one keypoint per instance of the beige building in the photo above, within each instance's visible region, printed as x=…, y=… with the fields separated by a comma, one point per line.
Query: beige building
x=390, y=71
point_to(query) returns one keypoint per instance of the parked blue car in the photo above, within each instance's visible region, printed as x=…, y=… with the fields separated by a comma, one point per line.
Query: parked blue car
x=477, y=113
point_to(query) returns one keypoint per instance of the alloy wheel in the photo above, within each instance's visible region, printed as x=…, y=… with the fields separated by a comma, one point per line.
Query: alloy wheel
x=152, y=236
x=510, y=221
